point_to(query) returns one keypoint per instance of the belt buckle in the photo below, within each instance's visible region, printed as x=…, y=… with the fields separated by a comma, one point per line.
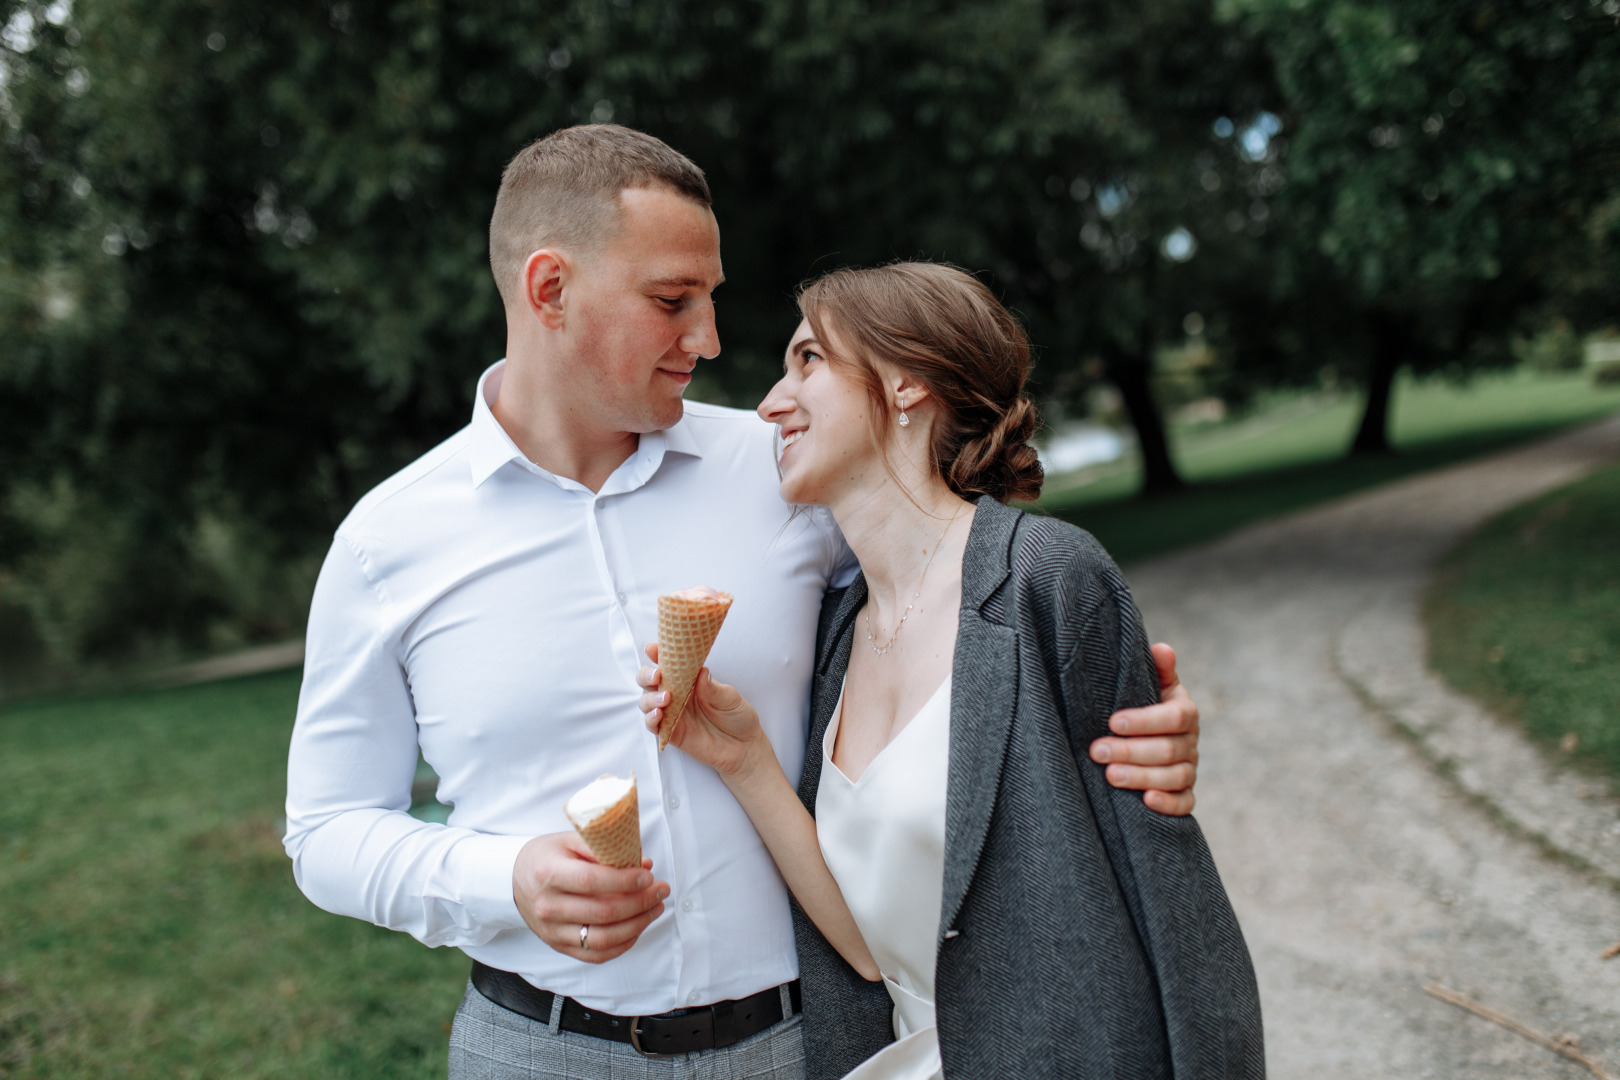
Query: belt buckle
x=635, y=1041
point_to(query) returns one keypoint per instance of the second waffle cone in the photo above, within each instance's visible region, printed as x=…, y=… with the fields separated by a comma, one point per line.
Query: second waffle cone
x=687, y=628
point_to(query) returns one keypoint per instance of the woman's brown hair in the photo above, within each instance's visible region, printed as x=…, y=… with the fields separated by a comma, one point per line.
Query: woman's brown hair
x=946, y=330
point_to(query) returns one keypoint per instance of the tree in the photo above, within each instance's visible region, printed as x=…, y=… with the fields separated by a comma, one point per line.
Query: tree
x=1451, y=164
x=244, y=272
x=244, y=277
x=1065, y=150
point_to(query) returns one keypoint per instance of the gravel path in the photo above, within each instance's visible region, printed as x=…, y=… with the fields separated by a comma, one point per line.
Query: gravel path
x=1377, y=831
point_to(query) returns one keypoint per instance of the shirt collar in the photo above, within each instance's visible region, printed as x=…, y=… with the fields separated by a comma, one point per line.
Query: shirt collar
x=490, y=447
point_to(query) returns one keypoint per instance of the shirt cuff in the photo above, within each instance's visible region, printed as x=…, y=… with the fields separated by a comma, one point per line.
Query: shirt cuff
x=482, y=865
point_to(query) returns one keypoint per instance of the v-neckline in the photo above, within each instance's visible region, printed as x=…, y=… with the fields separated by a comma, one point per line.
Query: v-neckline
x=837, y=724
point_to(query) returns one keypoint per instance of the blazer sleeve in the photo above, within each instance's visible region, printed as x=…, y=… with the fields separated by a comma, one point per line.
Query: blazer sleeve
x=1182, y=914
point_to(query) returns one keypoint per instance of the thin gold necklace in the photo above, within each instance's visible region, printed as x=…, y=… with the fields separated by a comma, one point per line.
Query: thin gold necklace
x=867, y=614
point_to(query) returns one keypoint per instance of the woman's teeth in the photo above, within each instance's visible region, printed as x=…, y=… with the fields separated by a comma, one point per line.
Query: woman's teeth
x=789, y=440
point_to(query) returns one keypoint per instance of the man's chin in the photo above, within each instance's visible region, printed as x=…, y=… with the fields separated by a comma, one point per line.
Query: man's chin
x=659, y=417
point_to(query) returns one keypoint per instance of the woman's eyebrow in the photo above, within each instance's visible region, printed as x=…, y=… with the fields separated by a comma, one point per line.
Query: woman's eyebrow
x=798, y=347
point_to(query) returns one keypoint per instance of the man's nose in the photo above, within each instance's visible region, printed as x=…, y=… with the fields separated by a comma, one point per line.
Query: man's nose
x=702, y=337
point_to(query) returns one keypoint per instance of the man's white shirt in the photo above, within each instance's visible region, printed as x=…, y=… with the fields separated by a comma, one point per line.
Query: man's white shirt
x=493, y=614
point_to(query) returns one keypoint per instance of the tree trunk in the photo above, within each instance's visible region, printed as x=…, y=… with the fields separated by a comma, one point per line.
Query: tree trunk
x=1372, y=437
x=1132, y=375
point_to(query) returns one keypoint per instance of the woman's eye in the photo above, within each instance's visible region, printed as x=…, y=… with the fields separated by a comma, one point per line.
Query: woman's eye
x=809, y=355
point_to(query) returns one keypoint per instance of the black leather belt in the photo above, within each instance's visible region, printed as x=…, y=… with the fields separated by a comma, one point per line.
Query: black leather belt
x=683, y=1031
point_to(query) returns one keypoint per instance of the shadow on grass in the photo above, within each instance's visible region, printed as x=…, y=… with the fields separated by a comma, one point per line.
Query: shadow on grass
x=1142, y=527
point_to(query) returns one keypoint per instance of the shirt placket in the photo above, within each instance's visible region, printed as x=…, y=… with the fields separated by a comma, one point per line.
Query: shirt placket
x=667, y=771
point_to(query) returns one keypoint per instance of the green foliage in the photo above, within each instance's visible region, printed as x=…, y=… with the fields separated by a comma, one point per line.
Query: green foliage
x=244, y=279
x=243, y=273
x=245, y=270
x=1526, y=615
x=1556, y=348
x=152, y=927
x=1451, y=168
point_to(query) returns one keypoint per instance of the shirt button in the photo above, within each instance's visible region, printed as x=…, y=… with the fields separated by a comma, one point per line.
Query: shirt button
x=674, y=802
x=623, y=599
x=686, y=905
x=693, y=998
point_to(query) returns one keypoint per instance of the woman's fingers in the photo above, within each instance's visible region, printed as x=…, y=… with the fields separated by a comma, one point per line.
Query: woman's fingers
x=1175, y=715
x=1161, y=750
x=1170, y=803
x=718, y=695
x=1167, y=778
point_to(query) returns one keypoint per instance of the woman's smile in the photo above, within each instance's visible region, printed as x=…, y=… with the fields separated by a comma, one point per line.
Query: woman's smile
x=788, y=438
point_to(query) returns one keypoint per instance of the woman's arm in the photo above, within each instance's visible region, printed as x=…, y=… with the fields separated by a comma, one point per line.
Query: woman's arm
x=721, y=729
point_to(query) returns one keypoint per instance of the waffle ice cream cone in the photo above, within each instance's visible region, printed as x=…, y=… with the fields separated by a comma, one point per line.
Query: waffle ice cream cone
x=688, y=622
x=607, y=814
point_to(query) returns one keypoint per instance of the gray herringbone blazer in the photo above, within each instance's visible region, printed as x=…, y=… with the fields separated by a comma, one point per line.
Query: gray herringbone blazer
x=1081, y=934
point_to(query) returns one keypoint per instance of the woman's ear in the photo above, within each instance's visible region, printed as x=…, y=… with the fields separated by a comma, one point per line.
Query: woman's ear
x=906, y=392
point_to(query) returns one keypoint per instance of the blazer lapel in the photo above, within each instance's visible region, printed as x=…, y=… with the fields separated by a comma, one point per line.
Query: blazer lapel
x=826, y=682
x=833, y=642
x=984, y=696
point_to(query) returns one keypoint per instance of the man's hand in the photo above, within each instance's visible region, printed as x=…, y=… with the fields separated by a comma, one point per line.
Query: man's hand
x=1154, y=749
x=560, y=887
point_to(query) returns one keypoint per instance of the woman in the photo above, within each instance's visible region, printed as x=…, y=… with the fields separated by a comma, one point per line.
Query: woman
x=953, y=839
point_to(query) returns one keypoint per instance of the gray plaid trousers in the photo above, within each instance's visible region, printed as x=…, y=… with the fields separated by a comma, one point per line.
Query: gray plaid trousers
x=488, y=1042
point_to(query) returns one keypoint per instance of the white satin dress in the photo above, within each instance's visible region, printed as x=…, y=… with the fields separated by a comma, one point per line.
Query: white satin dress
x=883, y=837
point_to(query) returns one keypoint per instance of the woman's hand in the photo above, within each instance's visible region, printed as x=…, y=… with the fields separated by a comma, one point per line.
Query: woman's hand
x=718, y=727
x=1155, y=748
x=721, y=729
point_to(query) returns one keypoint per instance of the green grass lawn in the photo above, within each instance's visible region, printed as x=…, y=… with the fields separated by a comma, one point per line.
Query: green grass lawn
x=149, y=919
x=1525, y=616
x=1292, y=457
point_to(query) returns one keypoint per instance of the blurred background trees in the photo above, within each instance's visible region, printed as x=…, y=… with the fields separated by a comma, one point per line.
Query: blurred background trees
x=1455, y=166
x=242, y=246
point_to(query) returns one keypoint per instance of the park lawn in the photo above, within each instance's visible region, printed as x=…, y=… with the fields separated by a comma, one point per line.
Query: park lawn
x=1524, y=615
x=1294, y=457
x=150, y=921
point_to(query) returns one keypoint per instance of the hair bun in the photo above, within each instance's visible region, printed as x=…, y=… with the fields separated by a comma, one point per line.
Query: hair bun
x=1000, y=462
x=945, y=329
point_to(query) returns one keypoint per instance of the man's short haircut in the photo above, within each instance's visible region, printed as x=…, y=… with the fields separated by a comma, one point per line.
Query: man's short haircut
x=563, y=191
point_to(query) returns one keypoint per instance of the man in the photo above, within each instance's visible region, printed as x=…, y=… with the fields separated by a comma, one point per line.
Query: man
x=487, y=607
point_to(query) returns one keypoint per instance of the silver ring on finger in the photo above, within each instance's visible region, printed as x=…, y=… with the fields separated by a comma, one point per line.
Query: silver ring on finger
x=585, y=937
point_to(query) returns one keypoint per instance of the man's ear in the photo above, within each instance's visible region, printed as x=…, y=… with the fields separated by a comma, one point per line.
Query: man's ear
x=546, y=276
